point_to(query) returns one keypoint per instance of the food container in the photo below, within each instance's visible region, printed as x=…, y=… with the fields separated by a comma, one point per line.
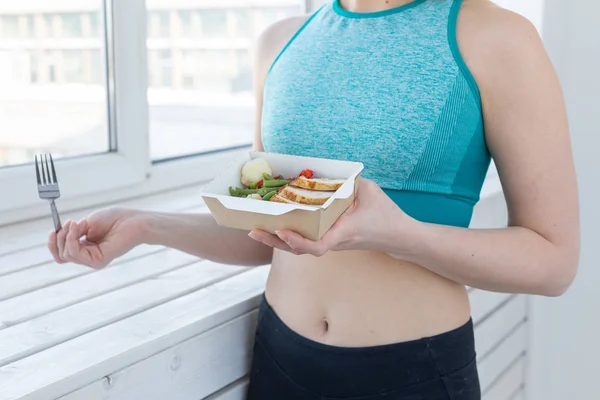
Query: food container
x=311, y=222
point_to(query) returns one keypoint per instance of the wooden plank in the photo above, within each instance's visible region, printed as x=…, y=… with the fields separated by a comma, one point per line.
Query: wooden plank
x=40, y=255
x=483, y=303
x=35, y=278
x=24, y=259
x=51, y=298
x=493, y=366
x=237, y=391
x=34, y=233
x=508, y=383
x=188, y=371
x=499, y=325
x=36, y=335
x=87, y=358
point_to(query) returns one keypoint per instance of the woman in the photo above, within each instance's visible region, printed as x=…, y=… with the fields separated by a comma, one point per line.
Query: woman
x=423, y=93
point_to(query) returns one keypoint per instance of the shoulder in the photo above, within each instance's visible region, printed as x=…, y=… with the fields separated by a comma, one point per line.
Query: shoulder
x=494, y=22
x=493, y=39
x=273, y=39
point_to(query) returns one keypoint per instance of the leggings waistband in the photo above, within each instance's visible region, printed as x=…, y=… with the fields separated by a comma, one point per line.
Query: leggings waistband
x=344, y=371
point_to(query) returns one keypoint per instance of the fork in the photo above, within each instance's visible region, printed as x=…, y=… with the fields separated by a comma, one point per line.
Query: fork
x=48, y=185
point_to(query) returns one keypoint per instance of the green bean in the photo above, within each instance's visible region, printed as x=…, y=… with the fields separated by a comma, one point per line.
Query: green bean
x=264, y=191
x=268, y=196
x=275, y=183
x=253, y=186
x=267, y=177
x=239, y=192
x=247, y=191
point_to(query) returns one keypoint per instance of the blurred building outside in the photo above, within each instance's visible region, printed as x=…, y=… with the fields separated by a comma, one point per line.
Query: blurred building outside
x=53, y=75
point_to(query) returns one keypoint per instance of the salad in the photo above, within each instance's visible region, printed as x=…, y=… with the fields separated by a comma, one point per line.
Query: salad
x=259, y=183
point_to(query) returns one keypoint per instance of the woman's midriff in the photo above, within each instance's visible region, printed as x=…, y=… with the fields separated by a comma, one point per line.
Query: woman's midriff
x=363, y=298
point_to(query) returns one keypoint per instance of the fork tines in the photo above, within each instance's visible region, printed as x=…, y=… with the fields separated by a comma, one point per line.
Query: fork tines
x=45, y=163
x=47, y=185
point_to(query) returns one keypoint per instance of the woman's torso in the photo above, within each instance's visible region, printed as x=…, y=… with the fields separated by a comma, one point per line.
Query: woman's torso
x=392, y=92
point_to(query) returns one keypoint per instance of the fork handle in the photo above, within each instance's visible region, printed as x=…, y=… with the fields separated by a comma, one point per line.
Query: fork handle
x=55, y=217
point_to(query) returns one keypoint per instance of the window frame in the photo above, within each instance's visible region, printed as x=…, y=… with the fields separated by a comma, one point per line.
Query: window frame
x=127, y=170
x=126, y=92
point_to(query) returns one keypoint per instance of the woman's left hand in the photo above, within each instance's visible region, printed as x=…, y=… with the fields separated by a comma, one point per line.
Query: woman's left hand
x=371, y=217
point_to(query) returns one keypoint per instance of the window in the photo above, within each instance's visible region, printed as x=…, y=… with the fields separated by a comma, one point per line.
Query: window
x=166, y=66
x=33, y=68
x=73, y=66
x=242, y=81
x=208, y=103
x=213, y=23
x=49, y=29
x=189, y=61
x=106, y=111
x=266, y=16
x=10, y=26
x=243, y=23
x=47, y=117
x=160, y=24
x=186, y=22
x=59, y=119
x=50, y=103
x=273, y=14
x=97, y=67
x=30, y=26
x=94, y=19
x=71, y=25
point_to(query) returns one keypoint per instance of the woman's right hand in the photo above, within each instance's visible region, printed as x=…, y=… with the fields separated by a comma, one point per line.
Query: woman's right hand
x=98, y=239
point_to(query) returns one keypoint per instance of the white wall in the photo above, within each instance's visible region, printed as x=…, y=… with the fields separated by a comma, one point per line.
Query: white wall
x=565, y=332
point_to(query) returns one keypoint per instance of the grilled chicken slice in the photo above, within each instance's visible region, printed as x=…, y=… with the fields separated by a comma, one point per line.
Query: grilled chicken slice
x=318, y=184
x=279, y=199
x=305, y=196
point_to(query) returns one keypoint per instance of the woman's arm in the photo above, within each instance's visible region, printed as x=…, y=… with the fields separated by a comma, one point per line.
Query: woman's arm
x=527, y=134
x=112, y=232
x=199, y=234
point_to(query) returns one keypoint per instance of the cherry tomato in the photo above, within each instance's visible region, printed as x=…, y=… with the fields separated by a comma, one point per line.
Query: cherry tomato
x=307, y=173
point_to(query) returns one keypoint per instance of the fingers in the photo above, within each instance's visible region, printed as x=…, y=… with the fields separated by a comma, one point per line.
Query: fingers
x=292, y=242
x=53, y=247
x=67, y=246
x=84, y=227
x=271, y=241
x=72, y=245
x=61, y=237
x=302, y=245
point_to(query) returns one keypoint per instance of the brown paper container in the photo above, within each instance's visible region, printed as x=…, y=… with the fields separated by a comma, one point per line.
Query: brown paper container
x=311, y=222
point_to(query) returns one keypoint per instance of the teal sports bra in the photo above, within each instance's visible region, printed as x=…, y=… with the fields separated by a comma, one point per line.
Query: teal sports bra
x=391, y=90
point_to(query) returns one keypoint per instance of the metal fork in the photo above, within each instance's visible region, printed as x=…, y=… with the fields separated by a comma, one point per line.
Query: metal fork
x=48, y=185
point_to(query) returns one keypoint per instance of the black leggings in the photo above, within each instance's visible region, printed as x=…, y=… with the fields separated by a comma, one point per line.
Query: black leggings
x=288, y=366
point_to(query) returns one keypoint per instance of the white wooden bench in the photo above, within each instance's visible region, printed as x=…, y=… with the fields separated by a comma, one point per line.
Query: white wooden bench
x=161, y=324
